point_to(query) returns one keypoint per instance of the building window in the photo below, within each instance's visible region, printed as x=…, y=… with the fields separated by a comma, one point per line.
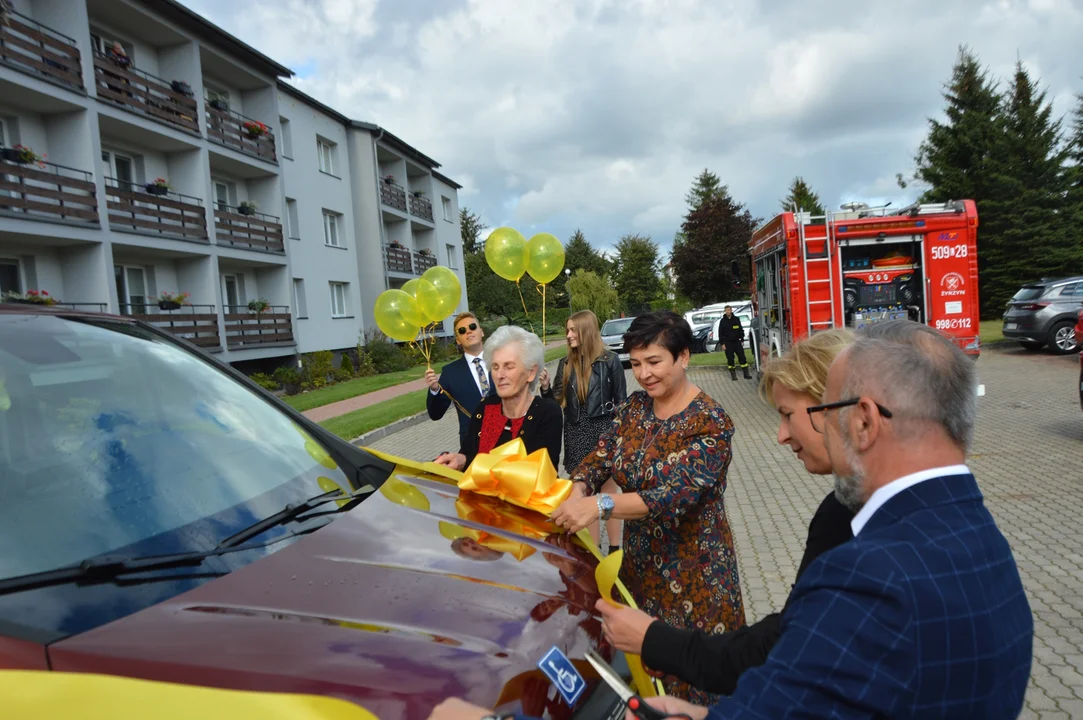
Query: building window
x=225, y=195
x=338, y=298
x=285, y=138
x=300, y=304
x=121, y=168
x=452, y=261
x=331, y=234
x=446, y=203
x=131, y=289
x=10, y=277
x=233, y=293
x=212, y=94
x=103, y=41
x=293, y=223
x=325, y=150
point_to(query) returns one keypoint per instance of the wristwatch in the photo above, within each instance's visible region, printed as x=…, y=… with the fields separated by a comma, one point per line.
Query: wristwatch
x=605, y=506
x=494, y=716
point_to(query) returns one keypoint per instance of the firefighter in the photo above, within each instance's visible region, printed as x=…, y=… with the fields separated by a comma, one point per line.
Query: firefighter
x=732, y=336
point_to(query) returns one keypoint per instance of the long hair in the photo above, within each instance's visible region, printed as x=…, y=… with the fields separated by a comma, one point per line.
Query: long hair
x=581, y=358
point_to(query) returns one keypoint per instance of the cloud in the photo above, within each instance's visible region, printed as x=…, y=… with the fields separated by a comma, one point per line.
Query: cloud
x=598, y=114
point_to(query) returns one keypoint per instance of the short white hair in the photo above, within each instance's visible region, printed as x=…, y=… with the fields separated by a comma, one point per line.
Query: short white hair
x=531, y=350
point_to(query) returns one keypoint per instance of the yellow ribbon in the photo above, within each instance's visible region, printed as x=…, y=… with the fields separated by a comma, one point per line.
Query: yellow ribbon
x=509, y=473
x=29, y=694
x=491, y=512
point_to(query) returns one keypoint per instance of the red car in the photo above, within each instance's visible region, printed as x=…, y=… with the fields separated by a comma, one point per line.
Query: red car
x=165, y=518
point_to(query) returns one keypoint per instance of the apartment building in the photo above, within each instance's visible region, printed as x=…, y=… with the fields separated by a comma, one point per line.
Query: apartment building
x=281, y=219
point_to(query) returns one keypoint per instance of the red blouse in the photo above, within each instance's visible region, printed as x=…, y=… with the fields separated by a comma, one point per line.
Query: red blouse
x=494, y=425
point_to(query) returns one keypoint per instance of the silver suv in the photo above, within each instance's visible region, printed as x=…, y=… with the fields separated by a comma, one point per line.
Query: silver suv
x=1044, y=313
x=613, y=336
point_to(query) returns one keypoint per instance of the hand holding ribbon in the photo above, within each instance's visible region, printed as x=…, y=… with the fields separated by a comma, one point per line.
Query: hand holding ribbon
x=509, y=473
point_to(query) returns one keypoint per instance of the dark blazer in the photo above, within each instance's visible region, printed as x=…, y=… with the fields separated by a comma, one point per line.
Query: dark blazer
x=922, y=615
x=457, y=378
x=542, y=428
x=714, y=663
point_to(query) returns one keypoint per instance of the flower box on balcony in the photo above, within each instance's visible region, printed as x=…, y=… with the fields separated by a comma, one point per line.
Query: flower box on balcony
x=158, y=187
x=171, y=301
x=22, y=155
x=182, y=88
x=247, y=208
x=258, y=306
x=218, y=104
x=254, y=128
x=30, y=297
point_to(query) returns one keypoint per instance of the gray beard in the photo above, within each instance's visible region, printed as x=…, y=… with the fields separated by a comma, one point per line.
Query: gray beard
x=849, y=489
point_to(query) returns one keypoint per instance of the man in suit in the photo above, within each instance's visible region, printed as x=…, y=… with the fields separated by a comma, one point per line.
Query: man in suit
x=466, y=379
x=923, y=613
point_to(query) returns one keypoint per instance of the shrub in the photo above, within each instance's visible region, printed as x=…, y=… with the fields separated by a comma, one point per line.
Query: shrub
x=365, y=366
x=388, y=357
x=318, y=368
x=265, y=381
x=289, y=379
x=346, y=366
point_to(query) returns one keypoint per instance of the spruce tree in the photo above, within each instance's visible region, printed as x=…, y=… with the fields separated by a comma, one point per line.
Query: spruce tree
x=1075, y=174
x=706, y=186
x=802, y=198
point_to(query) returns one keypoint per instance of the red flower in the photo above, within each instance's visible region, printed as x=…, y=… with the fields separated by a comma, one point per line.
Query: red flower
x=43, y=292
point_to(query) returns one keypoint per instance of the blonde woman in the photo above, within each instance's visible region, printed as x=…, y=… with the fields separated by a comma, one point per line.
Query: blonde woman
x=589, y=385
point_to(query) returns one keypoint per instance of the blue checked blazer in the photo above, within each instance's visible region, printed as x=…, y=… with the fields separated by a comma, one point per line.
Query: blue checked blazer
x=922, y=615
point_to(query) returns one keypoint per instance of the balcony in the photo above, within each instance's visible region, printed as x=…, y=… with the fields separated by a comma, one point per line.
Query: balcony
x=248, y=229
x=397, y=259
x=143, y=93
x=37, y=50
x=236, y=131
x=392, y=196
x=198, y=324
x=83, y=307
x=423, y=262
x=421, y=207
x=247, y=329
x=132, y=207
x=46, y=190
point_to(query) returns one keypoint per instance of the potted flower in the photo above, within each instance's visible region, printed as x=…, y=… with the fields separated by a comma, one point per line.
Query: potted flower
x=396, y=244
x=389, y=179
x=182, y=88
x=424, y=251
x=30, y=297
x=419, y=193
x=247, y=208
x=118, y=55
x=254, y=128
x=259, y=305
x=220, y=104
x=22, y=155
x=172, y=301
x=160, y=186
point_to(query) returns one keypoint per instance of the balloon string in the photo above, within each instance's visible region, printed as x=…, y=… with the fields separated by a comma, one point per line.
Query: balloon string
x=522, y=300
x=543, y=312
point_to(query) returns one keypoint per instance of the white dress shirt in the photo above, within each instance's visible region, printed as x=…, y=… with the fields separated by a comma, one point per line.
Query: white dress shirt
x=473, y=370
x=893, y=488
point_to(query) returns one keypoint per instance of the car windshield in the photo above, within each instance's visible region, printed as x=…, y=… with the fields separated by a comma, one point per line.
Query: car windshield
x=1029, y=293
x=112, y=438
x=617, y=327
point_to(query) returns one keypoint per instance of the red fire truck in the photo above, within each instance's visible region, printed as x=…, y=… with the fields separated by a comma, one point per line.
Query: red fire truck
x=863, y=266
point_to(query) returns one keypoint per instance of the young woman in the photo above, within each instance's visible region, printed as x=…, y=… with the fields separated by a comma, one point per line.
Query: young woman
x=589, y=385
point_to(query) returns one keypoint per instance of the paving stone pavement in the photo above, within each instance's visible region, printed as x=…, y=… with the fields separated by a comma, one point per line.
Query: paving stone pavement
x=1027, y=456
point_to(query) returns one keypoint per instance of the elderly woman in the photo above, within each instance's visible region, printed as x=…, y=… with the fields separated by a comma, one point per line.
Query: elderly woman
x=516, y=359
x=668, y=450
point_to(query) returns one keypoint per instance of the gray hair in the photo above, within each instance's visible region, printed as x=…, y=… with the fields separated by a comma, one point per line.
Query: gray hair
x=918, y=374
x=531, y=350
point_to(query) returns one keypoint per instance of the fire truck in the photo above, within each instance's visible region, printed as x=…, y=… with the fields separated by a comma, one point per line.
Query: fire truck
x=862, y=266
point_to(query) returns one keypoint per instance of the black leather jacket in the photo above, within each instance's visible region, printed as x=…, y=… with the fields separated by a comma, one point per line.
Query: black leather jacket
x=607, y=389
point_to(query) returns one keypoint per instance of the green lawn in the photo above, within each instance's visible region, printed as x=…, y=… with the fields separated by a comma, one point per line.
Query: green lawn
x=990, y=331
x=715, y=358
x=556, y=353
x=355, y=387
x=359, y=422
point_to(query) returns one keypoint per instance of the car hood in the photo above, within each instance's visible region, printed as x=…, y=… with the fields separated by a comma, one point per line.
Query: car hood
x=378, y=608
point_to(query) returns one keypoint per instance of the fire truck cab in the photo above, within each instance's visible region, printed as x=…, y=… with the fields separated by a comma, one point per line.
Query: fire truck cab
x=862, y=266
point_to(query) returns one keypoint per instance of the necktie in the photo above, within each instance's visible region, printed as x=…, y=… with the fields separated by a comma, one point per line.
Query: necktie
x=481, y=377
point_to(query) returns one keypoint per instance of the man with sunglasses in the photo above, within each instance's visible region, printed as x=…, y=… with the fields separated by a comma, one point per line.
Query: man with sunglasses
x=466, y=380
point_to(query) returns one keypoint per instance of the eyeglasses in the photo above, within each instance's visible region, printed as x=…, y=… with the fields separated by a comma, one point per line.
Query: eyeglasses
x=816, y=413
x=467, y=328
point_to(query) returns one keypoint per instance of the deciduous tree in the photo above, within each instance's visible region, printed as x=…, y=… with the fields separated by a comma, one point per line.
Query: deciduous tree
x=712, y=237
x=635, y=273
x=592, y=292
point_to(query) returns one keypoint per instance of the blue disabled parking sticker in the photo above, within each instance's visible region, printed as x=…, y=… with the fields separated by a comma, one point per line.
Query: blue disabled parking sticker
x=560, y=670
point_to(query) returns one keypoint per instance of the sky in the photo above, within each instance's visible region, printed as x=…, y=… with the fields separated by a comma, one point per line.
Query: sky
x=557, y=115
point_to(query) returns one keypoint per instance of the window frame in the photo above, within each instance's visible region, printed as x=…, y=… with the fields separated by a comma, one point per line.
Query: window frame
x=322, y=145
x=285, y=137
x=445, y=203
x=300, y=299
x=293, y=219
x=336, y=286
x=331, y=227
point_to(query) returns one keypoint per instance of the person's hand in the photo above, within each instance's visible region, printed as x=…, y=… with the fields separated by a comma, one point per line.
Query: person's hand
x=455, y=461
x=624, y=627
x=671, y=706
x=575, y=513
x=456, y=709
x=431, y=380
x=544, y=380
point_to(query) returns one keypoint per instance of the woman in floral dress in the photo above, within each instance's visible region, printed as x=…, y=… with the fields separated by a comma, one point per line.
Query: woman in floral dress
x=668, y=450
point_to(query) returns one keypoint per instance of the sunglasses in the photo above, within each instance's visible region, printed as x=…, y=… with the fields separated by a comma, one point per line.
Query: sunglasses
x=467, y=328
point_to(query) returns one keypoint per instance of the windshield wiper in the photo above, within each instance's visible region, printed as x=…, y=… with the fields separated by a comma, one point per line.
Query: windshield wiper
x=292, y=512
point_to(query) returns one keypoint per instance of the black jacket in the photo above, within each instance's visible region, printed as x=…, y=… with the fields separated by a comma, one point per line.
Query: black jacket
x=730, y=330
x=714, y=663
x=607, y=389
x=541, y=429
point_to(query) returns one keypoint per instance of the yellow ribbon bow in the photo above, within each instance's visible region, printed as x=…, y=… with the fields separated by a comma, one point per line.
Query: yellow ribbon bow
x=509, y=473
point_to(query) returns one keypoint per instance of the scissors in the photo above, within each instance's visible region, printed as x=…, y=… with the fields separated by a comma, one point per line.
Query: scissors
x=636, y=706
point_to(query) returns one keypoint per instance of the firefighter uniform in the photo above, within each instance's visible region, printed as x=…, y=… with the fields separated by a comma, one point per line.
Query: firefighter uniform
x=732, y=336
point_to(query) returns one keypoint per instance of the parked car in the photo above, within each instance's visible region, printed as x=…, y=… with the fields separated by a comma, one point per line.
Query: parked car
x=165, y=518
x=613, y=336
x=1044, y=313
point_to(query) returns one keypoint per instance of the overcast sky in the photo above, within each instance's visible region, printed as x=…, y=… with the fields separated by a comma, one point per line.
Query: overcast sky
x=598, y=114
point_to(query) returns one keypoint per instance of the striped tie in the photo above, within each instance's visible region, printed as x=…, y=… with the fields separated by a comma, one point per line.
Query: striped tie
x=481, y=377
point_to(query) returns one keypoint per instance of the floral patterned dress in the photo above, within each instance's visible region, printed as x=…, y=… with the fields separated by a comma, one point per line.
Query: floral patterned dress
x=679, y=561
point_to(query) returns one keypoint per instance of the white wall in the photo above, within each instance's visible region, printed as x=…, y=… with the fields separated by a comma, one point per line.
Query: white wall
x=449, y=233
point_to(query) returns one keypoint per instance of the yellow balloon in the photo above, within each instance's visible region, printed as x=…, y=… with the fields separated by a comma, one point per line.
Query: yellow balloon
x=505, y=251
x=448, y=292
x=452, y=531
x=423, y=292
x=545, y=257
x=390, y=317
x=403, y=493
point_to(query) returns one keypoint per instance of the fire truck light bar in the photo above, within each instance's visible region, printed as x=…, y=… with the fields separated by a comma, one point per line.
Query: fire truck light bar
x=882, y=226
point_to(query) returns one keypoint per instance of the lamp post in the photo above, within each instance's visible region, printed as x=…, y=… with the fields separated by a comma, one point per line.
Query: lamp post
x=567, y=277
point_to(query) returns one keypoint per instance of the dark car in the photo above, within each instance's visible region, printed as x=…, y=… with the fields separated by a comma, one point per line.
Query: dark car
x=1044, y=313
x=165, y=518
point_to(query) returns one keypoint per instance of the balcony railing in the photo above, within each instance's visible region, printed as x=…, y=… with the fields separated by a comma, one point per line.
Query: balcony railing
x=246, y=328
x=226, y=127
x=397, y=259
x=423, y=262
x=144, y=93
x=46, y=190
x=421, y=207
x=38, y=50
x=198, y=324
x=132, y=207
x=256, y=231
x=393, y=196
x=83, y=307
